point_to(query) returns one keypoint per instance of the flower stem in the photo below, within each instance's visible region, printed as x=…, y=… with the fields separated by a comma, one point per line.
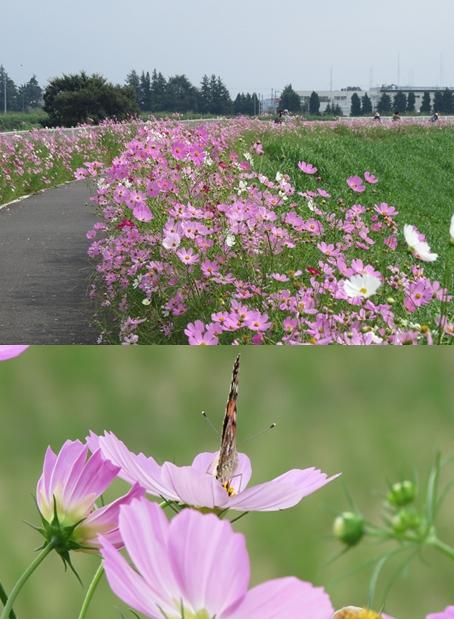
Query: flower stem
x=91, y=591
x=442, y=547
x=23, y=579
x=4, y=597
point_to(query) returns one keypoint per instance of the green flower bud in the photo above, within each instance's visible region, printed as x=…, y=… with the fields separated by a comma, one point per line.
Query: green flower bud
x=391, y=300
x=402, y=493
x=406, y=520
x=349, y=528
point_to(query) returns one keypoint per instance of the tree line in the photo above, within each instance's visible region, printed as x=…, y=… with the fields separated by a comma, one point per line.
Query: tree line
x=20, y=98
x=155, y=93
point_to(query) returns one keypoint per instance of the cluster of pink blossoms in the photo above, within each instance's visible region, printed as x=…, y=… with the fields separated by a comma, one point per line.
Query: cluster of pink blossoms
x=197, y=245
x=42, y=158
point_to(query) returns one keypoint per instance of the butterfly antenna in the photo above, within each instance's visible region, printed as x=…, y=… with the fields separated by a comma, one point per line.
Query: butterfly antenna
x=210, y=423
x=254, y=436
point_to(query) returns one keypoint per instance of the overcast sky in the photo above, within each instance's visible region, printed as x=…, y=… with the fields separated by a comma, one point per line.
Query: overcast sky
x=253, y=44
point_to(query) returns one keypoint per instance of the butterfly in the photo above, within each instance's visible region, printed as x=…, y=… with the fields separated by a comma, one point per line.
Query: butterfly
x=228, y=457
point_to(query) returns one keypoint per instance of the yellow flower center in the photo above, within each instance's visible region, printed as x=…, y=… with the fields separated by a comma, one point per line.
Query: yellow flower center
x=229, y=489
x=363, y=290
x=356, y=613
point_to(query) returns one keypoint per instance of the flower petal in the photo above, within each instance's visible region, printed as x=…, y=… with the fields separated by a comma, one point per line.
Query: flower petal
x=134, y=467
x=145, y=532
x=193, y=487
x=210, y=562
x=448, y=613
x=284, y=598
x=126, y=583
x=105, y=519
x=8, y=352
x=280, y=493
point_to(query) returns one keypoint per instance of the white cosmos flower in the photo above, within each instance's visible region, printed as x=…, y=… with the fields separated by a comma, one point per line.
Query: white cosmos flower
x=361, y=286
x=451, y=229
x=420, y=249
x=230, y=240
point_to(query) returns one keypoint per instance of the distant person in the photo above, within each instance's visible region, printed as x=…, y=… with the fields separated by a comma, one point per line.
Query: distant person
x=279, y=117
x=377, y=117
x=435, y=118
x=396, y=116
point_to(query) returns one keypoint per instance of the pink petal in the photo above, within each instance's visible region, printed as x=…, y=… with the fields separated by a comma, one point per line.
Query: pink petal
x=94, y=479
x=145, y=532
x=126, y=583
x=70, y=453
x=448, y=613
x=8, y=352
x=142, y=212
x=43, y=486
x=284, y=598
x=280, y=493
x=192, y=487
x=106, y=518
x=210, y=562
x=134, y=467
x=206, y=463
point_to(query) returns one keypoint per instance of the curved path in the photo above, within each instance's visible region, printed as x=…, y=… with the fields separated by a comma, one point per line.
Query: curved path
x=44, y=268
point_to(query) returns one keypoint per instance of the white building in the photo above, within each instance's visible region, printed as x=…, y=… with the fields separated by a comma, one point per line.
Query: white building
x=343, y=98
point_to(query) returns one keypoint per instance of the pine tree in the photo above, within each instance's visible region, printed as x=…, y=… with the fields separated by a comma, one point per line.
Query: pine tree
x=30, y=94
x=426, y=105
x=314, y=104
x=439, y=102
x=411, y=102
x=145, y=94
x=448, y=101
x=355, y=109
x=366, y=105
x=400, y=102
x=290, y=100
x=384, y=105
x=205, y=96
x=182, y=96
x=158, y=92
x=133, y=81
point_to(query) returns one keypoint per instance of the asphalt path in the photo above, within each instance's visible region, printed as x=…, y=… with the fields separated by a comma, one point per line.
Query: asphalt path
x=44, y=268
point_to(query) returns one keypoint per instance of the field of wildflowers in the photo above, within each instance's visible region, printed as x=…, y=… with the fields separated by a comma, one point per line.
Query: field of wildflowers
x=42, y=159
x=238, y=232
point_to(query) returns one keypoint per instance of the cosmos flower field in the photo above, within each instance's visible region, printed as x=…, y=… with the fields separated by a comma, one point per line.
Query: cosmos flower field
x=239, y=232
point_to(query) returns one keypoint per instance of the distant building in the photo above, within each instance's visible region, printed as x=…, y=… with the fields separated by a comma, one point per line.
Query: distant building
x=343, y=98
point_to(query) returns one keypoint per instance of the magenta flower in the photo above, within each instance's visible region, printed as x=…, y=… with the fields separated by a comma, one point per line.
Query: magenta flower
x=356, y=184
x=66, y=494
x=370, y=178
x=307, y=168
x=196, y=566
x=197, y=485
x=8, y=352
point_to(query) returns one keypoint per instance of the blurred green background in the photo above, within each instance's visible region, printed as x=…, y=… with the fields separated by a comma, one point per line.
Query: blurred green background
x=375, y=415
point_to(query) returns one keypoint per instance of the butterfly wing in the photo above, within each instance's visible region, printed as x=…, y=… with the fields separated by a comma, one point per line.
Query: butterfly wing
x=227, y=454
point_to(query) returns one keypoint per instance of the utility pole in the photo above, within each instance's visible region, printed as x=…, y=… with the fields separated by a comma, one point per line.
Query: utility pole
x=331, y=87
x=5, y=104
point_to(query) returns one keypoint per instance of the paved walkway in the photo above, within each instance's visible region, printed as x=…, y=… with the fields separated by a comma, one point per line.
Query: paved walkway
x=44, y=268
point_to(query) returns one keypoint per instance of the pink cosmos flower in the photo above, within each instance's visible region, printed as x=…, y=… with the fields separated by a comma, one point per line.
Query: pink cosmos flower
x=197, y=566
x=356, y=184
x=68, y=488
x=171, y=241
x=142, y=212
x=448, y=613
x=200, y=334
x=307, y=168
x=197, y=485
x=187, y=256
x=8, y=352
x=370, y=178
